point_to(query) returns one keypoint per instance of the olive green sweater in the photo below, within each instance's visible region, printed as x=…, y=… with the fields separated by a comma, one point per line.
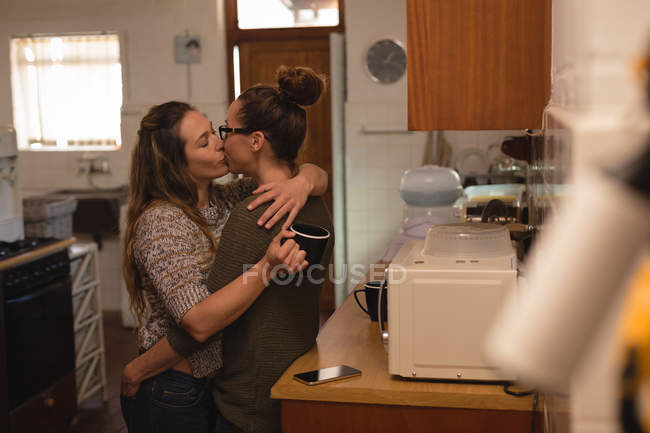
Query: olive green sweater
x=281, y=324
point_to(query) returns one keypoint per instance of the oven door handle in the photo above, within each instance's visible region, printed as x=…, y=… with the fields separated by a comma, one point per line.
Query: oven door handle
x=34, y=294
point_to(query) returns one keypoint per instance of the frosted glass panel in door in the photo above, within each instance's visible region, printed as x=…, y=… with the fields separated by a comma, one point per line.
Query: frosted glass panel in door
x=265, y=14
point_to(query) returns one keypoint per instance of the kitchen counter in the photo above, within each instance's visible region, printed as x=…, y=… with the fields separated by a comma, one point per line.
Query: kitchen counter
x=387, y=402
x=34, y=254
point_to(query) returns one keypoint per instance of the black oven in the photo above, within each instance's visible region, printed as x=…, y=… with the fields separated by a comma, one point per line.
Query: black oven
x=38, y=325
x=37, y=360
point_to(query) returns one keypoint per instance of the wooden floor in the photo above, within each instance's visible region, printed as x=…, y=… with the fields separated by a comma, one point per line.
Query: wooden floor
x=95, y=416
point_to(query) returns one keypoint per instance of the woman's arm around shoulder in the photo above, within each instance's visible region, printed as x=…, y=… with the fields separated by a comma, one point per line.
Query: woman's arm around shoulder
x=289, y=196
x=250, y=278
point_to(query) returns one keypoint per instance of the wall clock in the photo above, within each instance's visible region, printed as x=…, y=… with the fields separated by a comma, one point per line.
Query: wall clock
x=386, y=61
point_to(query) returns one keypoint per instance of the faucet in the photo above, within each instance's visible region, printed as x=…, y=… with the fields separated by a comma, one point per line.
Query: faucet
x=91, y=164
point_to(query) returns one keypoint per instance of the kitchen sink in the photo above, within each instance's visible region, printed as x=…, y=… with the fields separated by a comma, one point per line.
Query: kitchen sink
x=83, y=193
x=98, y=210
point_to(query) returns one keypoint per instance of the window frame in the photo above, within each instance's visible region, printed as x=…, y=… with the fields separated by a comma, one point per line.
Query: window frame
x=81, y=148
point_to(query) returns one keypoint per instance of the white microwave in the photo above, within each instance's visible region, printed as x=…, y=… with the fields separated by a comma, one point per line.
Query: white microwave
x=443, y=294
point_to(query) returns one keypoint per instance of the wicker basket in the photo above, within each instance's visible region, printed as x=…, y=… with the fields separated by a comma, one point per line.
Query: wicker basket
x=48, y=216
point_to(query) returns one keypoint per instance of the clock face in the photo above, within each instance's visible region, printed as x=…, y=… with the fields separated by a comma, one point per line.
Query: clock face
x=386, y=61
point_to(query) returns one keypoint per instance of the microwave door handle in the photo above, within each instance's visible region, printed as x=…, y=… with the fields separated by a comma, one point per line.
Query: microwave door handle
x=383, y=332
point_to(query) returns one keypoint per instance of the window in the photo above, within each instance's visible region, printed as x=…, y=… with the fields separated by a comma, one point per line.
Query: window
x=67, y=92
x=263, y=14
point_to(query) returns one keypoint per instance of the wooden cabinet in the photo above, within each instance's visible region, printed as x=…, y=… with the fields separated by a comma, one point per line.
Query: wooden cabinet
x=478, y=64
x=325, y=417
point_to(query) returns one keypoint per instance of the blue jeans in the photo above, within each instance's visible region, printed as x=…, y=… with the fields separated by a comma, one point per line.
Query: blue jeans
x=222, y=425
x=170, y=402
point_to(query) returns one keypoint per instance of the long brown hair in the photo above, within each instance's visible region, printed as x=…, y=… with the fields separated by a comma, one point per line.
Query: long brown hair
x=158, y=175
x=277, y=111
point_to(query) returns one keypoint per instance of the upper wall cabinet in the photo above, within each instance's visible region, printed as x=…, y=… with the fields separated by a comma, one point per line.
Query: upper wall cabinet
x=478, y=64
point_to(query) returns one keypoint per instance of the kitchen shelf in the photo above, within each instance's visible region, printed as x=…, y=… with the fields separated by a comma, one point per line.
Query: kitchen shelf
x=371, y=130
x=90, y=352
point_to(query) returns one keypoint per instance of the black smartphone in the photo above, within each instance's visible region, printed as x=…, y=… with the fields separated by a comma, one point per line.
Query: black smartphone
x=316, y=377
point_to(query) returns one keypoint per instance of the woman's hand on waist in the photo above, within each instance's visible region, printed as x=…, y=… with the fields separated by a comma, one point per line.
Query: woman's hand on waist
x=130, y=380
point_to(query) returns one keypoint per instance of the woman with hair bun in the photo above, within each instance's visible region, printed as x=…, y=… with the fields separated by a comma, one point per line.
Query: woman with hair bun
x=264, y=130
x=272, y=114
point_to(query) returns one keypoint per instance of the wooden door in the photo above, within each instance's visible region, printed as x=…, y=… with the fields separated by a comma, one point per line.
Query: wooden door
x=258, y=62
x=478, y=64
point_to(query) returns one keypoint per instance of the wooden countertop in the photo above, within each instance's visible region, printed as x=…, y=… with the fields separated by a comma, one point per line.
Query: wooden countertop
x=17, y=260
x=349, y=337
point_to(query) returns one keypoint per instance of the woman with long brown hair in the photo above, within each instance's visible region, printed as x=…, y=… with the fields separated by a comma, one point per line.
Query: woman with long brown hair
x=265, y=128
x=175, y=216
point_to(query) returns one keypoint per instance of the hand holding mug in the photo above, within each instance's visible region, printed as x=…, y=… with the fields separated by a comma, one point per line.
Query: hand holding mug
x=311, y=238
x=284, y=254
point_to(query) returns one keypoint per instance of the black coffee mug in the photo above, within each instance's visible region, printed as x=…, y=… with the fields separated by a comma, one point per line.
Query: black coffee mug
x=371, y=290
x=312, y=239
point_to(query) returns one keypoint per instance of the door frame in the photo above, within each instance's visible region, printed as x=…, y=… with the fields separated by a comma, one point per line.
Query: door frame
x=235, y=35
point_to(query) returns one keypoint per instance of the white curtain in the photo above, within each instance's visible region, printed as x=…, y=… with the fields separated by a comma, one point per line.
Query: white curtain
x=67, y=92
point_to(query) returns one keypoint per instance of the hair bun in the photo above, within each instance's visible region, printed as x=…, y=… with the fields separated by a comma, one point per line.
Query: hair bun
x=300, y=84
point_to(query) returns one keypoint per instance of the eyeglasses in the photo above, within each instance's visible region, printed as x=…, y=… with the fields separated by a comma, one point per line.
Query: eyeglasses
x=224, y=130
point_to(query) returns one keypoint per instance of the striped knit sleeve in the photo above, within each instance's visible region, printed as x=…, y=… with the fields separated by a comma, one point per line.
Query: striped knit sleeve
x=168, y=258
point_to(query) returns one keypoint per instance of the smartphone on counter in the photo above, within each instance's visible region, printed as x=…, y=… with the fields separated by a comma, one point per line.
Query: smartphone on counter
x=316, y=377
